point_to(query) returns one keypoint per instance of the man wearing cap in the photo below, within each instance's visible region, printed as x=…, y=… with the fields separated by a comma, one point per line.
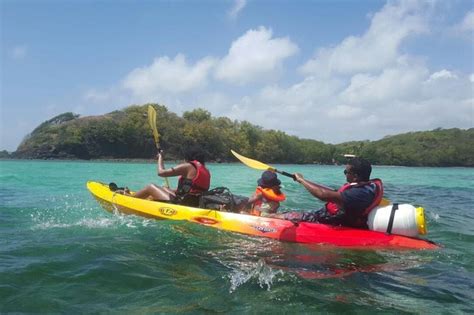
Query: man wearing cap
x=350, y=204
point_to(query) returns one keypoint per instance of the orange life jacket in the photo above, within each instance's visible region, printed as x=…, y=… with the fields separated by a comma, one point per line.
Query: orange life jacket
x=270, y=200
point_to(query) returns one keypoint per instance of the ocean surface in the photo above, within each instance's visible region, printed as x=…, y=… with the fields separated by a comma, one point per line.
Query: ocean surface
x=60, y=252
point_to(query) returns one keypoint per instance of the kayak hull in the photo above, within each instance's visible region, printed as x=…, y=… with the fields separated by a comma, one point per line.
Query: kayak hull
x=283, y=230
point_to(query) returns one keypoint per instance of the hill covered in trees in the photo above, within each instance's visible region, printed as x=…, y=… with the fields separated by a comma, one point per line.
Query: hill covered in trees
x=125, y=134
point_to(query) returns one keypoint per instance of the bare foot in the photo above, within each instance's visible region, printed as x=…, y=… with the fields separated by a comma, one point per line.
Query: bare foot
x=125, y=191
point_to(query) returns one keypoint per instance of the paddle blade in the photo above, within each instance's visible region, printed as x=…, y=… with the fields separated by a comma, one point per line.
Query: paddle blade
x=152, y=122
x=252, y=163
x=156, y=136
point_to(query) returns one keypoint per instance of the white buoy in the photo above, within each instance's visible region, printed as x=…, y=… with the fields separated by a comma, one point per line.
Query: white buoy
x=408, y=220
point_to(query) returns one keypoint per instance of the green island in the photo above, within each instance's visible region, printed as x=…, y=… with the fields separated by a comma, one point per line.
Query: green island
x=125, y=134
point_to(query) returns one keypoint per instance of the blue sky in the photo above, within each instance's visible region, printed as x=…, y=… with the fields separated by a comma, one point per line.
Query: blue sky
x=333, y=71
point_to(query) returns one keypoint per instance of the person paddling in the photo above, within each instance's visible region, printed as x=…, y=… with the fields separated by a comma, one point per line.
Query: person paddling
x=194, y=178
x=350, y=204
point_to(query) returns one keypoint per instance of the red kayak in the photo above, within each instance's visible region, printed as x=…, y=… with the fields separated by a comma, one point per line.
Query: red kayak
x=283, y=230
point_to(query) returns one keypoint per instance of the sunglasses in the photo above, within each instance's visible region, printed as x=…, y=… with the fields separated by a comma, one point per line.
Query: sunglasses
x=347, y=172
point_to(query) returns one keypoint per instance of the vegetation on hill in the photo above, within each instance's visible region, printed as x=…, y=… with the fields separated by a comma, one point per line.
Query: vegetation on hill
x=125, y=134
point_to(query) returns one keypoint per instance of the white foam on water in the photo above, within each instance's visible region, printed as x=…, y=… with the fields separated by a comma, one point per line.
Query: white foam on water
x=434, y=216
x=96, y=223
x=50, y=225
x=260, y=271
x=89, y=223
x=46, y=220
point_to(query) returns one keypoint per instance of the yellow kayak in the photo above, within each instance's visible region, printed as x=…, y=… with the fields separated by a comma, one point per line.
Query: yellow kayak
x=283, y=230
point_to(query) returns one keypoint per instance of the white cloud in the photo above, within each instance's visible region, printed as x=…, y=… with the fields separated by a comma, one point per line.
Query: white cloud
x=364, y=87
x=255, y=56
x=398, y=82
x=344, y=111
x=403, y=95
x=167, y=75
x=443, y=74
x=298, y=109
x=467, y=24
x=237, y=8
x=445, y=85
x=398, y=100
x=377, y=48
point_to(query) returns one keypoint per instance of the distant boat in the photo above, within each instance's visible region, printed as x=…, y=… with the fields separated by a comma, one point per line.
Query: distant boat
x=349, y=156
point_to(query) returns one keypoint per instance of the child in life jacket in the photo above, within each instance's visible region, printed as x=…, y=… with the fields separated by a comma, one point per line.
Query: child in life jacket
x=267, y=196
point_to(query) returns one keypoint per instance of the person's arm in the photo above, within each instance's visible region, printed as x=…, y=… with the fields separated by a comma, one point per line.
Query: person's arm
x=254, y=198
x=179, y=170
x=318, y=191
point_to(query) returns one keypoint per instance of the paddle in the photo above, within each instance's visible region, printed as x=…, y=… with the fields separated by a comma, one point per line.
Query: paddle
x=156, y=136
x=264, y=167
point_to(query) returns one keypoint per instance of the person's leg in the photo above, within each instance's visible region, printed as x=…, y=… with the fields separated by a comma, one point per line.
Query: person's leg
x=241, y=204
x=169, y=191
x=283, y=215
x=157, y=193
x=292, y=216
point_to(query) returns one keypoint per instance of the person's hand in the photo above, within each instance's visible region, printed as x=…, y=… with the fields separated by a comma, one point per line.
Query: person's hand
x=299, y=177
x=160, y=152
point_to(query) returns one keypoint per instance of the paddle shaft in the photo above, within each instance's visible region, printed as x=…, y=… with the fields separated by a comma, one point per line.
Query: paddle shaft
x=262, y=166
x=294, y=178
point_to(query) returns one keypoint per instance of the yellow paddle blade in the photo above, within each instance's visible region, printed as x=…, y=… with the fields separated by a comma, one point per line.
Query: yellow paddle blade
x=252, y=163
x=384, y=202
x=152, y=122
x=156, y=136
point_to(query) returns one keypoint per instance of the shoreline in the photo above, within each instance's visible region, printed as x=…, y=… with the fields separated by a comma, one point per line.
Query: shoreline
x=153, y=161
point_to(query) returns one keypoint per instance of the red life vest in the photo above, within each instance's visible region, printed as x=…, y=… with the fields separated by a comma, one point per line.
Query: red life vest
x=333, y=208
x=270, y=199
x=200, y=182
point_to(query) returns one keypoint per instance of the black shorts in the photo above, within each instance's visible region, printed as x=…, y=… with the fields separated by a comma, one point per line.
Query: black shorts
x=187, y=200
x=319, y=216
x=311, y=216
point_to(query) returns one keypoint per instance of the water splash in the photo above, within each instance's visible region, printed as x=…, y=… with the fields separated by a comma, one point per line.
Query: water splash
x=260, y=271
x=434, y=216
x=89, y=223
x=66, y=216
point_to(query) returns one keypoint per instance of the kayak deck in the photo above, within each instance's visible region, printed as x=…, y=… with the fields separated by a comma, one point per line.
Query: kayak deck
x=283, y=230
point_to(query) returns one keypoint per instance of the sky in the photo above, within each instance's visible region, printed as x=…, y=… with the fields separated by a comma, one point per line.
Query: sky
x=329, y=70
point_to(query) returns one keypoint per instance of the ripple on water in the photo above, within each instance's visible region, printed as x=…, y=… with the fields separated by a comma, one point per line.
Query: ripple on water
x=61, y=253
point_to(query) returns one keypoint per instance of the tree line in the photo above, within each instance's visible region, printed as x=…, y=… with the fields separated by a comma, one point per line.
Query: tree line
x=125, y=134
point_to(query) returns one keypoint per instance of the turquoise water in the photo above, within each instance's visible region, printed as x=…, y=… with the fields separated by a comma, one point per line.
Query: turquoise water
x=61, y=253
